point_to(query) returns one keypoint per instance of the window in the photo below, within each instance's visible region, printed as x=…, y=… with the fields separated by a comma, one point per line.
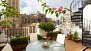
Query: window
x=39, y=20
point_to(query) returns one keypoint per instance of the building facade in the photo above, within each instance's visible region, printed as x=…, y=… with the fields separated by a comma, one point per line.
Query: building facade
x=35, y=18
x=14, y=3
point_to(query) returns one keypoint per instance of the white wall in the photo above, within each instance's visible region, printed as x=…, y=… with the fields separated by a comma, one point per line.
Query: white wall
x=87, y=15
x=40, y=31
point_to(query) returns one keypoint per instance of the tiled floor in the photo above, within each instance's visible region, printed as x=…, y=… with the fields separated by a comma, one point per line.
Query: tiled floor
x=73, y=46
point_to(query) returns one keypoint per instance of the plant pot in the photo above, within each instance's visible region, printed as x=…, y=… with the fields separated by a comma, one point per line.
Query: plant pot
x=46, y=38
x=53, y=38
x=19, y=47
x=69, y=36
x=76, y=40
x=2, y=37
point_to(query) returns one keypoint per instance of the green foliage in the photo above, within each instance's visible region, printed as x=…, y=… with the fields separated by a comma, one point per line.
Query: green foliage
x=19, y=40
x=53, y=34
x=3, y=23
x=63, y=19
x=1, y=32
x=47, y=26
x=8, y=11
x=16, y=36
x=75, y=35
x=39, y=37
x=48, y=9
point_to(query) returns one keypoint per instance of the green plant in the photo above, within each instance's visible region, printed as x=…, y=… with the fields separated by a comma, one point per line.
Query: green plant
x=53, y=34
x=75, y=35
x=16, y=36
x=56, y=11
x=39, y=37
x=19, y=40
x=1, y=32
x=47, y=26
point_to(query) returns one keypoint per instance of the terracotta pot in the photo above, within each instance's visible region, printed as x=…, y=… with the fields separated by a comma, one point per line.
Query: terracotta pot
x=53, y=38
x=77, y=40
x=19, y=47
x=47, y=38
x=69, y=36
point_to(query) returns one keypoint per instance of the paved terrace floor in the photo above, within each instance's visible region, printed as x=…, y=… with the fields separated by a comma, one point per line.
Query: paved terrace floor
x=73, y=46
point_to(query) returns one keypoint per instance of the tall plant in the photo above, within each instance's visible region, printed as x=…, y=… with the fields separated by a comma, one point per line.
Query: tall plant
x=47, y=26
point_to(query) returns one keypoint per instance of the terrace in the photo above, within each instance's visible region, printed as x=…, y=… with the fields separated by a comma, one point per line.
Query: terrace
x=72, y=34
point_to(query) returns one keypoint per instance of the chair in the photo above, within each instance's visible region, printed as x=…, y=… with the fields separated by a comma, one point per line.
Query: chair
x=61, y=39
x=33, y=37
x=7, y=47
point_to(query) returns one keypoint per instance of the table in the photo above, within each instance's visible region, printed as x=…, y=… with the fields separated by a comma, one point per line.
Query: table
x=37, y=46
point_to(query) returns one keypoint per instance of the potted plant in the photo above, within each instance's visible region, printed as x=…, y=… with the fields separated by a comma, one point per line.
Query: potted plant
x=53, y=35
x=69, y=35
x=19, y=43
x=75, y=37
x=39, y=37
x=48, y=27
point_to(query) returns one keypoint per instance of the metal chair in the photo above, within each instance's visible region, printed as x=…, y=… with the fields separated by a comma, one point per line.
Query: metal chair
x=7, y=47
x=33, y=37
x=61, y=39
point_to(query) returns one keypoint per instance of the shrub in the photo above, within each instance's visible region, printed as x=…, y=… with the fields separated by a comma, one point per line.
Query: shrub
x=39, y=37
x=47, y=26
x=19, y=40
x=53, y=34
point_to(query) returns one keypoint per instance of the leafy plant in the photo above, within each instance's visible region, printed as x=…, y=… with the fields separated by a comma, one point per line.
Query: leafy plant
x=8, y=11
x=1, y=32
x=19, y=40
x=39, y=37
x=53, y=34
x=47, y=26
x=75, y=35
x=55, y=11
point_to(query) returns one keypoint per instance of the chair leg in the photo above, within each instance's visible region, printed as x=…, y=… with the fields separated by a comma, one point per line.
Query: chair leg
x=84, y=48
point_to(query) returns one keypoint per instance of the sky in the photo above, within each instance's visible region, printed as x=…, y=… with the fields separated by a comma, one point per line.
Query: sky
x=32, y=6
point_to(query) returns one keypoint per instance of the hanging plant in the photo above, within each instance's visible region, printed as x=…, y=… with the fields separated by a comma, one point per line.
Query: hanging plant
x=56, y=11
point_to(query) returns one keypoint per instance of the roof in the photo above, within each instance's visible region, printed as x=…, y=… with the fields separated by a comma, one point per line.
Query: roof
x=33, y=24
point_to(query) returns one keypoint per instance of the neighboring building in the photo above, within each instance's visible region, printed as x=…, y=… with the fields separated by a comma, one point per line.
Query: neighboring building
x=35, y=18
x=14, y=3
x=15, y=21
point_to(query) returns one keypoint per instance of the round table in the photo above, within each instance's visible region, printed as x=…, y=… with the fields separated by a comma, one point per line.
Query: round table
x=37, y=46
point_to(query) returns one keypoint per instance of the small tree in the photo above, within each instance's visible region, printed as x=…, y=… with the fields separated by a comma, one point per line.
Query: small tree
x=47, y=26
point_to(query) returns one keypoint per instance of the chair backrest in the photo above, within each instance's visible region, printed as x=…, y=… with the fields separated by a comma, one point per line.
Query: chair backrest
x=7, y=47
x=33, y=37
x=60, y=38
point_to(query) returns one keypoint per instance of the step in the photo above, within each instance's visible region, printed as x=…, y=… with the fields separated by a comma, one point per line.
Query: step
x=80, y=9
x=77, y=13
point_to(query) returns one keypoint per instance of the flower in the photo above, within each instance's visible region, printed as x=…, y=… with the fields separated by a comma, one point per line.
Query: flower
x=60, y=9
x=1, y=29
x=53, y=8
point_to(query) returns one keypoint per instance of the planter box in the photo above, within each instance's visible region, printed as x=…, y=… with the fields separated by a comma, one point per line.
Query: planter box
x=53, y=38
x=19, y=47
